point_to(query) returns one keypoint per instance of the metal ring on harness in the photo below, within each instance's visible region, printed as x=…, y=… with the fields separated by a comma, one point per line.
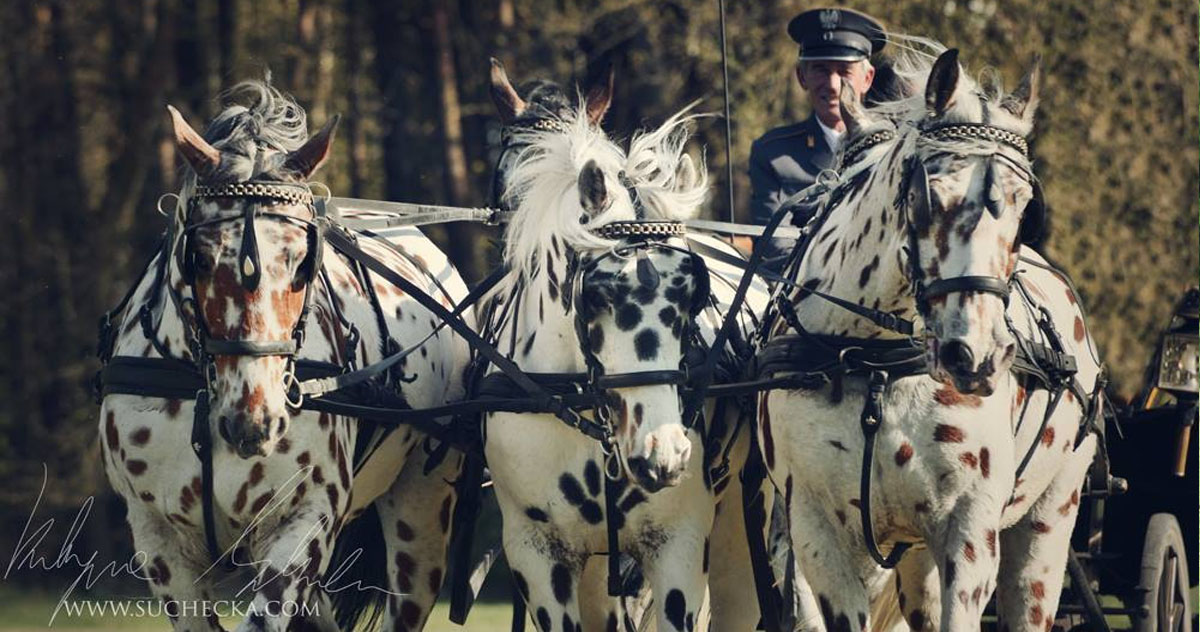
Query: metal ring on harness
x=162, y=197
x=291, y=390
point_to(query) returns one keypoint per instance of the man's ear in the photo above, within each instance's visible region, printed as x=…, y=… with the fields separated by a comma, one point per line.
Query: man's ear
x=800, y=76
x=870, y=77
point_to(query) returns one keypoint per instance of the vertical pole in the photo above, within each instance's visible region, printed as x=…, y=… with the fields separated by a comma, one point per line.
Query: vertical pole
x=728, y=122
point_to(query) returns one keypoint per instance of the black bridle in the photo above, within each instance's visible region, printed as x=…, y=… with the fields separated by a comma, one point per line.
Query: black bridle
x=918, y=212
x=638, y=239
x=205, y=348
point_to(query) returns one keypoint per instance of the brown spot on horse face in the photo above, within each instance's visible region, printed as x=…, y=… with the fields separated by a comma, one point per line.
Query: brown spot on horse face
x=990, y=539
x=948, y=396
x=968, y=459
x=287, y=305
x=261, y=502
x=903, y=454
x=1079, y=331
x=985, y=462
x=969, y=551
x=948, y=434
x=1040, y=527
x=1035, y=614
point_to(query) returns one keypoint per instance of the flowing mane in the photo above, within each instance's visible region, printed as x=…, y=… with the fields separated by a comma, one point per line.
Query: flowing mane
x=906, y=111
x=543, y=185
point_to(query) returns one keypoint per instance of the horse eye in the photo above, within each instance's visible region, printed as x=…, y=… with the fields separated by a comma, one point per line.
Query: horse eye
x=203, y=265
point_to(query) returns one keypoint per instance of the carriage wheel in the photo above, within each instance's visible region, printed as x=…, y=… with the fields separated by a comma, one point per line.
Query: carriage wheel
x=1164, y=579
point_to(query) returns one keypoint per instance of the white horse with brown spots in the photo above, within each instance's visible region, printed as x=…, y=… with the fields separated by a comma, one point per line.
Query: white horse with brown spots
x=925, y=225
x=232, y=295
x=578, y=300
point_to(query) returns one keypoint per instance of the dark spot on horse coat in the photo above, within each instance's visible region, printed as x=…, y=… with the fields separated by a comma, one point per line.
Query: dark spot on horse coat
x=405, y=566
x=675, y=607
x=160, y=574
x=1079, y=330
x=948, y=434
x=968, y=459
x=136, y=466
x=948, y=396
x=865, y=275
x=410, y=614
x=591, y=476
x=903, y=454
x=543, y=620
x=839, y=445
x=110, y=432
x=985, y=462
x=949, y=573
x=568, y=625
x=646, y=344
x=560, y=582
x=1048, y=436
x=537, y=515
x=833, y=623
x=404, y=531
x=1040, y=527
x=573, y=492
x=256, y=473
x=969, y=551
x=140, y=436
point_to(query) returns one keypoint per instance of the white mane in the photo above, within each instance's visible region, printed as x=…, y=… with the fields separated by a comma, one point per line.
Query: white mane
x=912, y=65
x=543, y=186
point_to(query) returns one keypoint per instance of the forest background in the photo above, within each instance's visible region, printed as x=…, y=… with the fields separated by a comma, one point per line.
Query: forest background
x=85, y=151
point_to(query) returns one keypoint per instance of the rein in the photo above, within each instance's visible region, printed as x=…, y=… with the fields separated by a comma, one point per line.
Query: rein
x=812, y=360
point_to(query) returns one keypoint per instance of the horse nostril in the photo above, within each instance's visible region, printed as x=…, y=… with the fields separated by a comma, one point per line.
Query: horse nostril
x=640, y=468
x=957, y=356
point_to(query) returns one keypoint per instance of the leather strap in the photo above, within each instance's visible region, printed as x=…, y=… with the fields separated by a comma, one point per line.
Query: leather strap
x=256, y=348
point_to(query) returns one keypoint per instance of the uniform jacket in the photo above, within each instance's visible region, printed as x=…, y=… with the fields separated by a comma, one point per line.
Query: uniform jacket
x=784, y=161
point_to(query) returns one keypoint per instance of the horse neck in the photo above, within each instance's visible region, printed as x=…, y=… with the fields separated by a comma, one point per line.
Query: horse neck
x=858, y=255
x=542, y=324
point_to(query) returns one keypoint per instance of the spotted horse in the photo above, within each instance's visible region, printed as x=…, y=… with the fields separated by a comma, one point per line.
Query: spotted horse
x=604, y=292
x=247, y=293
x=945, y=392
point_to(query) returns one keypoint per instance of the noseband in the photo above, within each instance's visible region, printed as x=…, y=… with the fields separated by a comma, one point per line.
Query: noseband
x=204, y=346
x=917, y=203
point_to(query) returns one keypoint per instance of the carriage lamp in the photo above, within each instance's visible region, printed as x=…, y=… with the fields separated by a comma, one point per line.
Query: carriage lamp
x=1177, y=366
x=1176, y=373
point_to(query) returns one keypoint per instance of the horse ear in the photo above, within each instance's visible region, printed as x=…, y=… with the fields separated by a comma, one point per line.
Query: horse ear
x=685, y=174
x=593, y=193
x=853, y=114
x=508, y=103
x=599, y=97
x=943, y=82
x=200, y=156
x=1022, y=101
x=306, y=160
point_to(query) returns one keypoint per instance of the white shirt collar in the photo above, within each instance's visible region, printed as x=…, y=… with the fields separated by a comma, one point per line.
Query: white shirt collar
x=833, y=138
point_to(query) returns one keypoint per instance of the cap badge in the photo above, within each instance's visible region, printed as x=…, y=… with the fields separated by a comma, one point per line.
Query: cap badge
x=830, y=19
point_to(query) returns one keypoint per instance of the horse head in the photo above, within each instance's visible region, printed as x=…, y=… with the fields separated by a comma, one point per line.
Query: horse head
x=629, y=297
x=970, y=200
x=248, y=245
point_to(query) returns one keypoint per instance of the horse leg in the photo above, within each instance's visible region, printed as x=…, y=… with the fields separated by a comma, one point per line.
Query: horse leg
x=836, y=577
x=415, y=514
x=966, y=563
x=1034, y=551
x=547, y=575
x=677, y=580
x=171, y=573
x=733, y=599
x=918, y=590
x=597, y=610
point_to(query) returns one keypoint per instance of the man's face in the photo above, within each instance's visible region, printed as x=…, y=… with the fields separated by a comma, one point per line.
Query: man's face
x=823, y=82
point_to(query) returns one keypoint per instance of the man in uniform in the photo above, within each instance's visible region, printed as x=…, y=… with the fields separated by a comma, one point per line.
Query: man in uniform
x=835, y=45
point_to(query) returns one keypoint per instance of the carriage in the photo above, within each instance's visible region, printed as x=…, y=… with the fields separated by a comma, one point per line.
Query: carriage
x=1131, y=540
x=663, y=322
